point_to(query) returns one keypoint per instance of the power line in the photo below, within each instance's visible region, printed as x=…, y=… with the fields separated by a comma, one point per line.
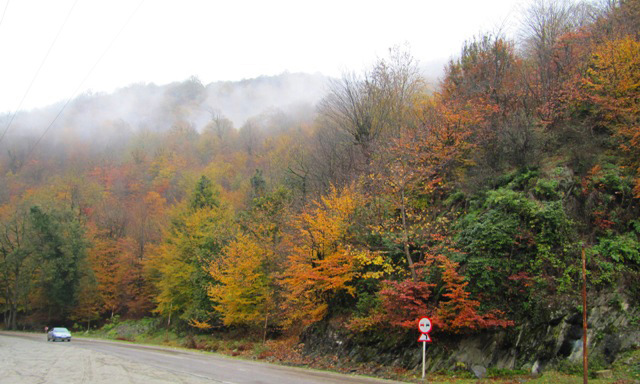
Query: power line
x=84, y=80
x=4, y=12
x=33, y=80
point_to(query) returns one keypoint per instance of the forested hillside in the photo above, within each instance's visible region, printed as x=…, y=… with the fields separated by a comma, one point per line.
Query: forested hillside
x=375, y=205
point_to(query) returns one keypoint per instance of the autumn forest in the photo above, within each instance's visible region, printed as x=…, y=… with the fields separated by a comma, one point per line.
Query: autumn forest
x=389, y=198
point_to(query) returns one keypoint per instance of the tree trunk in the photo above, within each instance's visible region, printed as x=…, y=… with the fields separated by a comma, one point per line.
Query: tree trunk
x=405, y=239
x=12, y=318
x=266, y=323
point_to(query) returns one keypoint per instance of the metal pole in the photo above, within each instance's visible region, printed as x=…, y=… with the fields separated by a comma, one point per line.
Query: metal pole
x=424, y=349
x=584, y=319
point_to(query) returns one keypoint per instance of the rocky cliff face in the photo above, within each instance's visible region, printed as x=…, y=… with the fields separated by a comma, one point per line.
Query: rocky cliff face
x=534, y=345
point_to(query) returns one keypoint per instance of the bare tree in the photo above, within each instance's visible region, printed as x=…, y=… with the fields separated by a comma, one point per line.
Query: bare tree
x=376, y=104
x=543, y=24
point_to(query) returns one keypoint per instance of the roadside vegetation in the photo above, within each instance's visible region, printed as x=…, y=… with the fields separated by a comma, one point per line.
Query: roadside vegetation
x=469, y=202
x=238, y=344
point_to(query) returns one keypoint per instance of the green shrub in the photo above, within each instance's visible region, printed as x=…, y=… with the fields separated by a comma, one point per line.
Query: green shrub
x=515, y=244
x=623, y=249
x=613, y=180
x=547, y=189
x=612, y=255
x=520, y=179
x=366, y=303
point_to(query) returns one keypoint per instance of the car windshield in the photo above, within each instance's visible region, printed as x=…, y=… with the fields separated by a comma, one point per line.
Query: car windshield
x=60, y=330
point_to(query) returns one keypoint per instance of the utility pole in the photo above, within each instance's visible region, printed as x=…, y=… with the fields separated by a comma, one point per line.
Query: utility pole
x=584, y=319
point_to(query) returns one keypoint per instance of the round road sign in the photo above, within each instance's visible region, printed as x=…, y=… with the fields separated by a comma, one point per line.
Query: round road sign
x=424, y=325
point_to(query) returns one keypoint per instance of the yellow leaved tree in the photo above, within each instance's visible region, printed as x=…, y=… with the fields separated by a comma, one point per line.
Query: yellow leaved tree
x=179, y=267
x=244, y=288
x=241, y=290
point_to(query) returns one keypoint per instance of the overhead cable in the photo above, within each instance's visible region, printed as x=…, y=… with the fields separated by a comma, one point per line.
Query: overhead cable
x=39, y=68
x=4, y=12
x=73, y=95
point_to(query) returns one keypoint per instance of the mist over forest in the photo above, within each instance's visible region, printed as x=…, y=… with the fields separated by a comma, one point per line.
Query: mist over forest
x=279, y=210
x=99, y=118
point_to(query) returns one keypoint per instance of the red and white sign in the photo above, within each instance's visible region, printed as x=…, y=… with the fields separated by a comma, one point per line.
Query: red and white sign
x=424, y=338
x=424, y=325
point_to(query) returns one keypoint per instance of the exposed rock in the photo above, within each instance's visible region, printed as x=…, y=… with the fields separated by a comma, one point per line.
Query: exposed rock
x=535, y=369
x=604, y=374
x=479, y=371
x=533, y=345
x=610, y=347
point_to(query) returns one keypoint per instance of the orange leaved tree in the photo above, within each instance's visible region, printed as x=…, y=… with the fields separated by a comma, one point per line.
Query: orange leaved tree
x=612, y=84
x=440, y=293
x=320, y=261
x=457, y=311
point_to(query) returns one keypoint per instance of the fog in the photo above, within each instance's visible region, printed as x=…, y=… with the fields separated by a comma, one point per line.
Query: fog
x=101, y=119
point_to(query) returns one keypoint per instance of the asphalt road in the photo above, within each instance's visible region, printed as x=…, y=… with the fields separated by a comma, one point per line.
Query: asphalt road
x=29, y=358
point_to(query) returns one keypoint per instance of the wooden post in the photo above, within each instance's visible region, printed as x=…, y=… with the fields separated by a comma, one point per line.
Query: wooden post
x=584, y=319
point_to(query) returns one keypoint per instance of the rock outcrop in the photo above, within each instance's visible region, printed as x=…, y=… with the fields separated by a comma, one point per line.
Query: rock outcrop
x=534, y=345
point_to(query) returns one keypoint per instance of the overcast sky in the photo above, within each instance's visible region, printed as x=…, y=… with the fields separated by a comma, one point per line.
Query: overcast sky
x=108, y=44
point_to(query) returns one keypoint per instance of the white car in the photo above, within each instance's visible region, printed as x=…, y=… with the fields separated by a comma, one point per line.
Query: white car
x=59, y=334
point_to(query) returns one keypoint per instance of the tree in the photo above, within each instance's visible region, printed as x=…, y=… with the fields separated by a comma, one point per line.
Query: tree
x=146, y=221
x=245, y=289
x=320, y=259
x=487, y=88
x=543, y=24
x=179, y=267
x=203, y=195
x=242, y=287
x=440, y=293
x=611, y=85
x=89, y=305
x=107, y=260
x=374, y=107
x=457, y=312
x=60, y=242
x=421, y=165
x=18, y=263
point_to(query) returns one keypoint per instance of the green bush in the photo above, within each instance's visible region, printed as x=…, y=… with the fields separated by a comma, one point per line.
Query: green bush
x=547, y=189
x=612, y=255
x=623, y=249
x=514, y=244
x=131, y=329
x=520, y=179
x=613, y=180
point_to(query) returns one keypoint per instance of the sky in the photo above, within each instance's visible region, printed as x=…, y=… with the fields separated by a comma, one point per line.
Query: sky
x=54, y=50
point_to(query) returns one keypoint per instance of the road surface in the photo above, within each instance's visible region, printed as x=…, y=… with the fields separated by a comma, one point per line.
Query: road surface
x=29, y=358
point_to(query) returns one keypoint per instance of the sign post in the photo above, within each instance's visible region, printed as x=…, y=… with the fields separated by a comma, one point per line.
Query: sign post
x=424, y=326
